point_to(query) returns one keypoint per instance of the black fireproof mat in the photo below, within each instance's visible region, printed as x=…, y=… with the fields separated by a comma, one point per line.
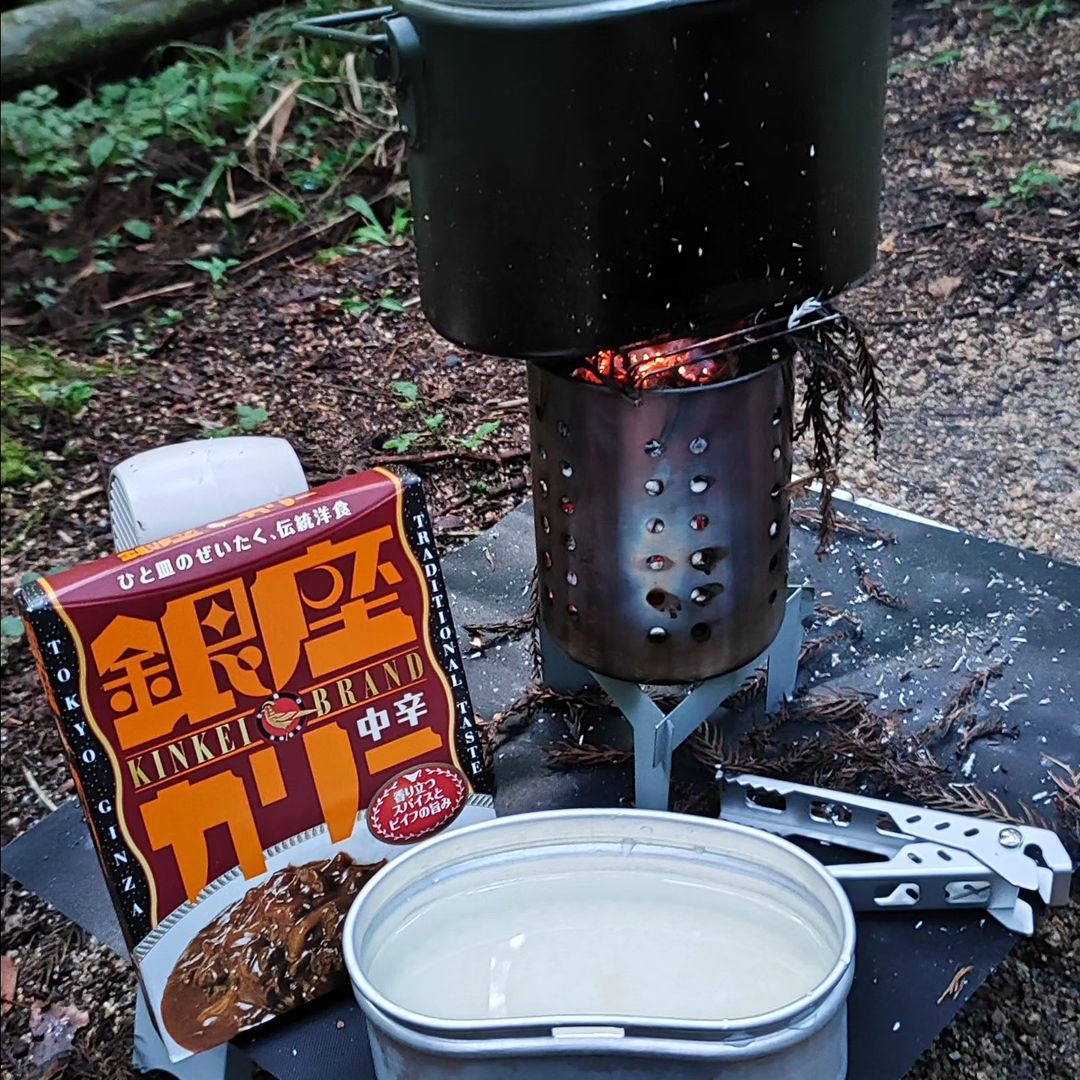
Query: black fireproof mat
x=970, y=603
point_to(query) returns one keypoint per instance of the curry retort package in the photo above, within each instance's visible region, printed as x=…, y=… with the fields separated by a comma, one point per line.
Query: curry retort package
x=258, y=714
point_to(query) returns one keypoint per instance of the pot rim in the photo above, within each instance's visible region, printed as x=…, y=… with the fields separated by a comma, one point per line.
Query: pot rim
x=510, y=14
x=790, y=1017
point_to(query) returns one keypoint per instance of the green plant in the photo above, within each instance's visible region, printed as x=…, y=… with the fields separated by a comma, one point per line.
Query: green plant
x=1033, y=180
x=61, y=255
x=938, y=59
x=372, y=231
x=168, y=317
x=353, y=305
x=11, y=628
x=388, y=302
x=480, y=435
x=218, y=269
x=408, y=395
x=141, y=230
x=47, y=204
x=400, y=222
x=109, y=245
x=993, y=111
x=944, y=58
x=1023, y=14
x=248, y=418
x=41, y=291
x=403, y=442
x=226, y=114
x=37, y=383
x=18, y=463
x=140, y=338
x=284, y=207
x=1069, y=120
x=40, y=391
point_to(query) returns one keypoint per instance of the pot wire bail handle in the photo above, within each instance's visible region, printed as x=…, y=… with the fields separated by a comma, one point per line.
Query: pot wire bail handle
x=329, y=27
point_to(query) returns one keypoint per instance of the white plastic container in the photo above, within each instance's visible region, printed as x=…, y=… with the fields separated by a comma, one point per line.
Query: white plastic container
x=169, y=489
x=584, y=943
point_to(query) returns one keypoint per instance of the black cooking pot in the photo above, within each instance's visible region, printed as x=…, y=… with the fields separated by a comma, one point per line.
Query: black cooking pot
x=592, y=173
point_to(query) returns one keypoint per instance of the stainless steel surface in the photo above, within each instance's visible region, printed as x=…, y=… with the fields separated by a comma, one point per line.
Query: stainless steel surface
x=662, y=523
x=806, y=1040
x=933, y=859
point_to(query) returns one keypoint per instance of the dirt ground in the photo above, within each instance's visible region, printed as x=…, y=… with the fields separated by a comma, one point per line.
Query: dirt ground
x=973, y=312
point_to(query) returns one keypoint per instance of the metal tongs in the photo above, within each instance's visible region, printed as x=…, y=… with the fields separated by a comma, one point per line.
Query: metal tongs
x=932, y=859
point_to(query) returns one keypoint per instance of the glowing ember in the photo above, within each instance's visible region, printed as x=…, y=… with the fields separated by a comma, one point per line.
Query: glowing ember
x=667, y=365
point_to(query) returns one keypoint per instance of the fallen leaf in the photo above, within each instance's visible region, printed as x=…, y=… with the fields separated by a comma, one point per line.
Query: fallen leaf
x=943, y=287
x=54, y=1030
x=9, y=980
x=1063, y=167
x=449, y=521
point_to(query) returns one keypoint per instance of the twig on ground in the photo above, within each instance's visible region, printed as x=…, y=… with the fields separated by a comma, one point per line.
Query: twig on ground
x=832, y=615
x=536, y=697
x=1067, y=799
x=968, y=799
x=812, y=648
x=829, y=706
x=519, y=483
x=424, y=456
x=569, y=756
x=842, y=523
x=956, y=983
x=300, y=238
x=983, y=729
x=37, y=789
x=959, y=708
x=876, y=590
x=149, y=294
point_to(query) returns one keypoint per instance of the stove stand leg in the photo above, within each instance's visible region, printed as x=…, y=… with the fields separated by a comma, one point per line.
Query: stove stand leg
x=783, y=653
x=656, y=734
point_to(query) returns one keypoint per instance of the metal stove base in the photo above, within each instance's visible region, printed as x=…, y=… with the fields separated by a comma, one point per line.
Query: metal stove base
x=657, y=734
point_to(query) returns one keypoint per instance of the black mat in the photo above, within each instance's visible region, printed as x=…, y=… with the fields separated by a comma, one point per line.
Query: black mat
x=970, y=603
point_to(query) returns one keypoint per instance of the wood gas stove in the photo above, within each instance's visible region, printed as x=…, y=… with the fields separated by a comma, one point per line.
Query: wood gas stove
x=661, y=506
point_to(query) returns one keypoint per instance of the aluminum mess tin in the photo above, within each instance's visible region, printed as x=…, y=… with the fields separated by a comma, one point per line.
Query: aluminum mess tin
x=802, y=1039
